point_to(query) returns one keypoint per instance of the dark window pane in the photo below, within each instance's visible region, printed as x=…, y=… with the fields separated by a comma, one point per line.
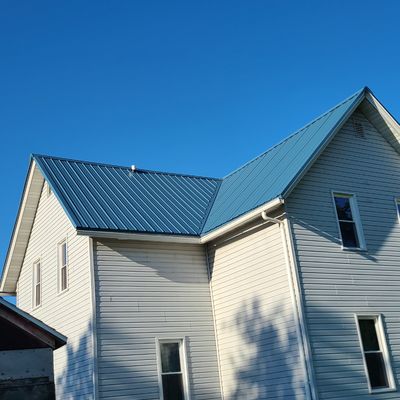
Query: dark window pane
x=349, y=234
x=343, y=208
x=37, y=295
x=64, y=254
x=368, y=334
x=172, y=387
x=64, y=282
x=376, y=370
x=170, y=357
x=38, y=277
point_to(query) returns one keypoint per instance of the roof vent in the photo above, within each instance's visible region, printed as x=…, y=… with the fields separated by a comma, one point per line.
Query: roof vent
x=133, y=168
x=358, y=129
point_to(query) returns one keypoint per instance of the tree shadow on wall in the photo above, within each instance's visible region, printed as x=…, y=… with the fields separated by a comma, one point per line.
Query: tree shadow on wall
x=267, y=364
x=267, y=357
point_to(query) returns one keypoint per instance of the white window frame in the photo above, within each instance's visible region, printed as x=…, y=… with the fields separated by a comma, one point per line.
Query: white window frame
x=356, y=218
x=59, y=266
x=35, y=283
x=397, y=204
x=183, y=360
x=380, y=332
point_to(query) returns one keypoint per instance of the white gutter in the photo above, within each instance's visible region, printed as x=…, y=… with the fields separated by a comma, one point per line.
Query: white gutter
x=154, y=237
x=151, y=237
x=248, y=217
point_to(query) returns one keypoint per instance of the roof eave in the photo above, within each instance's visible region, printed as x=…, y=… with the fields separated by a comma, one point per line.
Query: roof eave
x=22, y=228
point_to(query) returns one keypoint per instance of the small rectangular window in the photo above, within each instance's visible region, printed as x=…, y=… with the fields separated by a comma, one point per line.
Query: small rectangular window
x=63, y=266
x=375, y=353
x=37, y=284
x=172, y=370
x=349, y=221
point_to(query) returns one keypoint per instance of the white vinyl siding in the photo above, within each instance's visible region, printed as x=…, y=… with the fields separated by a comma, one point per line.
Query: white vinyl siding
x=69, y=313
x=338, y=284
x=146, y=291
x=255, y=322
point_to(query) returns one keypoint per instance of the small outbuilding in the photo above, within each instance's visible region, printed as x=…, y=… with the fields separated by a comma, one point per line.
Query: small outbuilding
x=26, y=355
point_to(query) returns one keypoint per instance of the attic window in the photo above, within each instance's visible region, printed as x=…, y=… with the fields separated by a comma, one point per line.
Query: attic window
x=358, y=129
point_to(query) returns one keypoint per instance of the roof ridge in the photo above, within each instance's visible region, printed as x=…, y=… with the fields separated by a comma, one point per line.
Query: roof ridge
x=145, y=171
x=284, y=140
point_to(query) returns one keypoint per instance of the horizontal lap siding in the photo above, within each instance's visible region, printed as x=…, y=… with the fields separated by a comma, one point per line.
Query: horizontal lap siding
x=146, y=291
x=338, y=283
x=69, y=312
x=257, y=342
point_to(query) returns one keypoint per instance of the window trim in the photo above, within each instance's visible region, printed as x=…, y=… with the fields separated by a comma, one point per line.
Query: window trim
x=397, y=204
x=356, y=218
x=59, y=267
x=382, y=339
x=183, y=359
x=34, y=284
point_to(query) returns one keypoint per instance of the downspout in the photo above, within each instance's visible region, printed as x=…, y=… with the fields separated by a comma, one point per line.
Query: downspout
x=295, y=294
x=209, y=274
x=95, y=377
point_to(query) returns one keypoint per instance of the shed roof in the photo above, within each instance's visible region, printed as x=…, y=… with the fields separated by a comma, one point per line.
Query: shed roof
x=31, y=331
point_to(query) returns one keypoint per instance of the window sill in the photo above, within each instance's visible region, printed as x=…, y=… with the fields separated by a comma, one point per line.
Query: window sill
x=62, y=292
x=355, y=249
x=385, y=390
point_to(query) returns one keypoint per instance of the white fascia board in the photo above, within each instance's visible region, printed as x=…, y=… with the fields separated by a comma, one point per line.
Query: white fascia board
x=248, y=217
x=393, y=125
x=20, y=239
x=152, y=237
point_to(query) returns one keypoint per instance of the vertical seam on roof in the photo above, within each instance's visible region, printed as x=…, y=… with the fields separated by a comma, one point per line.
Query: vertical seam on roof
x=209, y=207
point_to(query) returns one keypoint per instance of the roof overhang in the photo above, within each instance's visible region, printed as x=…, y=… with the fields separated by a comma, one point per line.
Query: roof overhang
x=31, y=325
x=22, y=229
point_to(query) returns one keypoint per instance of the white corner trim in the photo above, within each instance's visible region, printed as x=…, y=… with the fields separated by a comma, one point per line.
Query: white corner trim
x=248, y=217
x=95, y=379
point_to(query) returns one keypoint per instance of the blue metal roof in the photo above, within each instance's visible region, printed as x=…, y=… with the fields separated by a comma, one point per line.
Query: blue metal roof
x=107, y=197
x=269, y=175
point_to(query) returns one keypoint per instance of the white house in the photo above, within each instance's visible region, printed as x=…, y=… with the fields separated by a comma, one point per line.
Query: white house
x=280, y=281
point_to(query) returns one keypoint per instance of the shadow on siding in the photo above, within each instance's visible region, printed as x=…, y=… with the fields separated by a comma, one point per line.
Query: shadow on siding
x=266, y=361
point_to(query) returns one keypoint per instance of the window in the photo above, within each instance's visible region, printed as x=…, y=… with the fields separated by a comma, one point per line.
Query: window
x=37, y=284
x=349, y=221
x=172, y=374
x=375, y=353
x=63, y=266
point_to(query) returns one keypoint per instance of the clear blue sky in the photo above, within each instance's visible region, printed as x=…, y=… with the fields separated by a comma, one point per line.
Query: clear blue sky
x=196, y=87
